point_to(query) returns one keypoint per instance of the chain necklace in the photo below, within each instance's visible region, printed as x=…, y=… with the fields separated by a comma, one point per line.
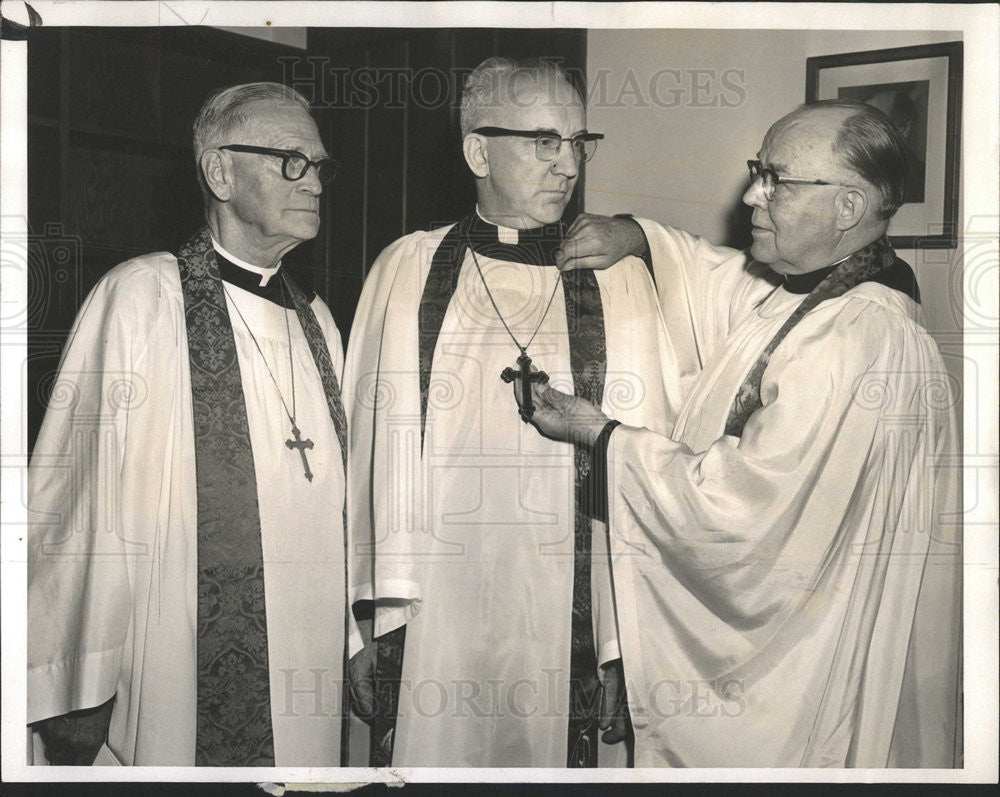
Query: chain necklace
x=526, y=407
x=297, y=442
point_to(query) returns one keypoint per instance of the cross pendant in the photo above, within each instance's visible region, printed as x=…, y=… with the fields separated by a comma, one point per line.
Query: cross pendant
x=526, y=407
x=301, y=445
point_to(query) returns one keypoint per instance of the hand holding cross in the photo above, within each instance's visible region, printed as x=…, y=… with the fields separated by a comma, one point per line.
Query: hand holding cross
x=525, y=406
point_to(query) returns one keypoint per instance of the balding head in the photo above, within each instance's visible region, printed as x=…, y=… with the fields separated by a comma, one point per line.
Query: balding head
x=864, y=141
x=497, y=85
x=835, y=173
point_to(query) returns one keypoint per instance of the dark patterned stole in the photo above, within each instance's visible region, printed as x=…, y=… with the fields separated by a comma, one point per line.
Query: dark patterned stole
x=585, y=324
x=335, y=405
x=875, y=262
x=234, y=705
x=588, y=360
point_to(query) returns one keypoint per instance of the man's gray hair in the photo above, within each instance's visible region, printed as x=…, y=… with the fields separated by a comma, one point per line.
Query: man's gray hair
x=226, y=113
x=491, y=84
x=870, y=144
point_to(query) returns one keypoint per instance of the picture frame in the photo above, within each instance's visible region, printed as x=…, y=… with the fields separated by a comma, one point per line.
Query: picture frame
x=919, y=87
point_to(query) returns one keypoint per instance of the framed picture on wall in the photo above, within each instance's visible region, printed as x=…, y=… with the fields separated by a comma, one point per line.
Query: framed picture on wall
x=920, y=89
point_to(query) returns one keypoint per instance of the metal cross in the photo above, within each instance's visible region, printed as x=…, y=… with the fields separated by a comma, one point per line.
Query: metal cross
x=301, y=445
x=526, y=407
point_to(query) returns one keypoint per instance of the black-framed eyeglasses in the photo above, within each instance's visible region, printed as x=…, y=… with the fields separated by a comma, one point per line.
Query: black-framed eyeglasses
x=548, y=143
x=294, y=164
x=770, y=179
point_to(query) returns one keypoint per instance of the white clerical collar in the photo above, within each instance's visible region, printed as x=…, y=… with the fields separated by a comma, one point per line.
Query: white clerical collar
x=506, y=235
x=265, y=273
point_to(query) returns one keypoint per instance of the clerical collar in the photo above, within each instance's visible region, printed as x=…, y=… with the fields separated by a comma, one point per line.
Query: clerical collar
x=535, y=247
x=804, y=283
x=898, y=275
x=254, y=279
x=265, y=273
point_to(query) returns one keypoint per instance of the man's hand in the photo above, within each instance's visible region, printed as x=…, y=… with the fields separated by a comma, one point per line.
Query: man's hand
x=598, y=242
x=614, y=720
x=74, y=739
x=563, y=417
x=361, y=672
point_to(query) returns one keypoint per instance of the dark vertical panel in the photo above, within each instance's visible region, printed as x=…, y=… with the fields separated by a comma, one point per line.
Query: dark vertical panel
x=386, y=140
x=432, y=167
x=44, y=60
x=129, y=64
x=324, y=79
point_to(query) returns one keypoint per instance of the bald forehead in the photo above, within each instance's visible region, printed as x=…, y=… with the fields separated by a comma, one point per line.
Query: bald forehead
x=273, y=123
x=806, y=136
x=528, y=95
x=270, y=115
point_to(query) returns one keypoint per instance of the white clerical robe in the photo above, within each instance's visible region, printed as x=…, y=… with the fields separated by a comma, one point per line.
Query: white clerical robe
x=474, y=533
x=792, y=598
x=112, y=578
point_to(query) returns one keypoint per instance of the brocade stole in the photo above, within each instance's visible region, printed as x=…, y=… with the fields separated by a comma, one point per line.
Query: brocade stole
x=234, y=708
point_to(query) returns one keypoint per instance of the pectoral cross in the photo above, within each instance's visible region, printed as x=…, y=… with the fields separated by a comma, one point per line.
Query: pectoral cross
x=526, y=407
x=301, y=445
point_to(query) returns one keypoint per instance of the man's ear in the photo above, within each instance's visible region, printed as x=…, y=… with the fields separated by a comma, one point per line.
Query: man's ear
x=474, y=149
x=851, y=208
x=217, y=173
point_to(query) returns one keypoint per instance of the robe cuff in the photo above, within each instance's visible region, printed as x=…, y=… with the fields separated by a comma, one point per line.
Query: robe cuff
x=399, y=602
x=609, y=651
x=60, y=687
x=595, y=485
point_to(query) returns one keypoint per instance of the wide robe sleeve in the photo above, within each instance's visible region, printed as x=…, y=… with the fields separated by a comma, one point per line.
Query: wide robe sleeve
x=83, y=543
x=382, y=401
x=780, y=572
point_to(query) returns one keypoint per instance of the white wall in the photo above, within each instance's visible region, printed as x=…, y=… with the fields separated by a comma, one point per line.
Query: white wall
x=677, y=153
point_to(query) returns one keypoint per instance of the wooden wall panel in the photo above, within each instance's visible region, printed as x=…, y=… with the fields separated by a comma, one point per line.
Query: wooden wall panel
x=436, y=167
x=387, y=152
x=114, y=82
x=100, y=212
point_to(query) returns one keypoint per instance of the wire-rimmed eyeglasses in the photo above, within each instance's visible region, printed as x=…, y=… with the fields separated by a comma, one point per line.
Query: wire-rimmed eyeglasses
x=548, y=143
x=294, y=164
x=770, y=179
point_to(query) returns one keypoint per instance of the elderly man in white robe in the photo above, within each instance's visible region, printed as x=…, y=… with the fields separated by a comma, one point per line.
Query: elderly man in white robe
x=186, y=571
x=787, y=561
x=469, y=529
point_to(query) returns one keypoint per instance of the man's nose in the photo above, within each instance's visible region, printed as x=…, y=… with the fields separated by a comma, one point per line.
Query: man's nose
x=309, y=182
x=754, y=195
x=567, y=162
